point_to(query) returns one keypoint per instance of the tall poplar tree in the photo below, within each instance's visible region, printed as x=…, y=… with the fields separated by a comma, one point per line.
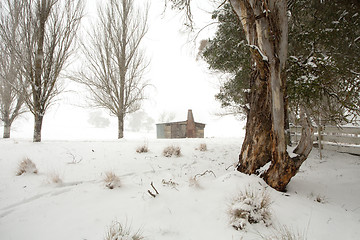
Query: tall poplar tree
x=11, y=96
x=114, y=62
x=46, y=32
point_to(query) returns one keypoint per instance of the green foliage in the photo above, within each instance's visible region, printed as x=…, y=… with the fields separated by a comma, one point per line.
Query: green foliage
x=323, y=61
x=227, y=52
x=323, y=65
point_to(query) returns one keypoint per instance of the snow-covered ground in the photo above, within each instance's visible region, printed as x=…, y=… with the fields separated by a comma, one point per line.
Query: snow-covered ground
x=322, y=202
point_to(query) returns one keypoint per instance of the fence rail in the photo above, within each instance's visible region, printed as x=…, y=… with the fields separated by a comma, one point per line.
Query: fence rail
x=344, y=139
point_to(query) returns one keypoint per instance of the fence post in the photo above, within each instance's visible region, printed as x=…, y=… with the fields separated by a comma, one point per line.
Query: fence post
x=319, y=128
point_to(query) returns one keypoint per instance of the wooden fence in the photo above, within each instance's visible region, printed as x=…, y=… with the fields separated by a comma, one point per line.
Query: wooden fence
x=344, y=139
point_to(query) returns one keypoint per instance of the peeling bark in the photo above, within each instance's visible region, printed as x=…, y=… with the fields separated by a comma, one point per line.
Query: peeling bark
x=282, y=170
x=306, y=141
x=256, y=148
x=266, y=28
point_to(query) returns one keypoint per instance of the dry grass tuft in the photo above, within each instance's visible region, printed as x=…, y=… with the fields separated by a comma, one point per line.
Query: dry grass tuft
x=203, y=147
x=169, y=183
x=320, y=199
x=193, y=182
x=284, y=233
x=142, y=149
x=111, y=180
x=55, y=178
x=172, y=150
x=117, y=231
x=250, y=206
x=26, y=166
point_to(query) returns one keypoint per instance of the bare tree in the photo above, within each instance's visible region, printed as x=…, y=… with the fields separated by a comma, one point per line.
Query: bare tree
x=115, y=62
x=11, y=100
x=166, y=117
x=47, y=31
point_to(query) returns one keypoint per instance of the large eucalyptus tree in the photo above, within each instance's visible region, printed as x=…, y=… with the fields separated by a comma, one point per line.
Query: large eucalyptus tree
x=265, y=25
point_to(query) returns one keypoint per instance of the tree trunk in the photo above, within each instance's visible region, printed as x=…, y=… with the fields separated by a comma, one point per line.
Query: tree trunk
x=123, y=68
x=256, y=148
x=120, y=127
x=282, y=170
x=7, y=127
x=37, y=86
x=319, y=130
x=266, y=28
x=37, y=127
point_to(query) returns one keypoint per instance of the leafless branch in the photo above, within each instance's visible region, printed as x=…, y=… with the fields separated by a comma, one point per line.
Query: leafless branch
x=11, y=100
x=114, y=62
x=184, y=7
x=152, y=194
x=204, y=173
x=75, y=160
x=152, y=185
x=45, y=35
x=227, y=168
x=222, y=4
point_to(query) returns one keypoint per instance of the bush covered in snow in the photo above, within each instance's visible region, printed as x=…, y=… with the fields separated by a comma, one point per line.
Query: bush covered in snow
x=111, y=180
x=119, y=232
x=172, y=150
x=26, y=166
x=250, y=206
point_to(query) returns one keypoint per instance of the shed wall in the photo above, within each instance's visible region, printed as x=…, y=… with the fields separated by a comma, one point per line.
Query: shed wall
x=160, y=130
x=178, y=130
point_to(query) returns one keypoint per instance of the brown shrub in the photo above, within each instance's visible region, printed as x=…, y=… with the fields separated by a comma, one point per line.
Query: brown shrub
x=172, y=150
x=54, y=178
x=111, y=180
x=26, y=166
x=142, y=149
x=118, y=231
x=203, y=147
x=283, y=232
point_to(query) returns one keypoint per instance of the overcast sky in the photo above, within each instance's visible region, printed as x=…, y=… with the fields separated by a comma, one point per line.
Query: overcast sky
x=179, y=83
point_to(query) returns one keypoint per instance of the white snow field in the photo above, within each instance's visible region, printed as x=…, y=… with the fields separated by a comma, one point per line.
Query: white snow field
x=322, y=201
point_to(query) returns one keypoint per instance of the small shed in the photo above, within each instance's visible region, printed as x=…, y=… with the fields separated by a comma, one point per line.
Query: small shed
x=183, y=129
